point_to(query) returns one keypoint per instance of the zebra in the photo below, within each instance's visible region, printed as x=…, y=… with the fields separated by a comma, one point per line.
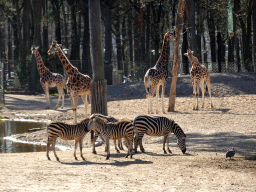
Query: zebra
x=94, y=138
x=156, y=126
x=113, y=130
x=66, y=131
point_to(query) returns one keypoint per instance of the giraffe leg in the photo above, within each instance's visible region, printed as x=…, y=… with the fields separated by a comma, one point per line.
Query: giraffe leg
x=74, y=99
x=162, y=96
x=60, y=95
x=149, y=98
x=203, y=91
x=84, y=97
x=46, y=91
x=157, y=98
x=208, y=83
x=197, y=95
x=194, y=93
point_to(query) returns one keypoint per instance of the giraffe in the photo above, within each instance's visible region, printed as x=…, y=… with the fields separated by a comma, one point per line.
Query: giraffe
x=49, y=79
x=199, y=75
x=77, y=84
x=157, y=76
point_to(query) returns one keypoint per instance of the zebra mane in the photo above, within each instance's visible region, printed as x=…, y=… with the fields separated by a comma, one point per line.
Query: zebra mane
x=179, y=133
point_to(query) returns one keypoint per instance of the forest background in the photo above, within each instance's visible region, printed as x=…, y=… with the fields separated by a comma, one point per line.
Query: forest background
x=219, y=32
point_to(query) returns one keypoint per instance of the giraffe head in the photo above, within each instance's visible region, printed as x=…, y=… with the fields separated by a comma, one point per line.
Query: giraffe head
x=189, y=53
x=34, y=49
x=169, y=35
x=54, y=48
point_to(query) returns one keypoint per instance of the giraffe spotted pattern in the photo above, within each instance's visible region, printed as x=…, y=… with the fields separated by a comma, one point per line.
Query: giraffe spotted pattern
x=157, y=76
x=78, y=83
x=199, y=75
x=49, y=79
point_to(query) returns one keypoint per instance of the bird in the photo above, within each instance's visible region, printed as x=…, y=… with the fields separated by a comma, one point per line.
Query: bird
x=231, y=153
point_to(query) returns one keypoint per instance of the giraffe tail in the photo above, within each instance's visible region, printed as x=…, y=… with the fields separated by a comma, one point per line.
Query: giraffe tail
x=206, y=88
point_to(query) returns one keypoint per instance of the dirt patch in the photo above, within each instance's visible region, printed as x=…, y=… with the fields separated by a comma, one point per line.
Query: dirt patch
x=210, y=132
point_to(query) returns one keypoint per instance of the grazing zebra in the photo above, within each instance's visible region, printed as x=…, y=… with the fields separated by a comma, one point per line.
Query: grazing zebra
x=113, y=130
x=94, y=138
x=65, y=131
x=155, y=126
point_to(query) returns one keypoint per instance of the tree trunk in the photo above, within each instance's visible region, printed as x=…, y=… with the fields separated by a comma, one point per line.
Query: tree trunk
x=74, y=36
x=221, y=52
x=254, y=32
x=191, y=35
x=45, y=29
x=130, y=27
x=86, y=57
x=185, y=63
x=99, y=85
x=37, y=13
x=26, y=43
x=211, y=27
x=108, y=43
x=179, y=25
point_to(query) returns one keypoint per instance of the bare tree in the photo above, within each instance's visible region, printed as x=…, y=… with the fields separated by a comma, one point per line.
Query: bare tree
x=99, y=85
x=178, y=23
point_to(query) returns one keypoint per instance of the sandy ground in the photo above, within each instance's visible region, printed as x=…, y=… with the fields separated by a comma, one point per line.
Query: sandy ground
x=210, y=133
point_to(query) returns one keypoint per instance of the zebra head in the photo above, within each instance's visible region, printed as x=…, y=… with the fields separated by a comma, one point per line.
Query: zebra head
x=97, y=123
x=181, y=141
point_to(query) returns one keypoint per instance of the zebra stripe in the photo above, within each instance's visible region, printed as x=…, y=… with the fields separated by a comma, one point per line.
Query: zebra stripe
x=66, y=131
x=113, y=131
x=156, y=126
x=94, y=137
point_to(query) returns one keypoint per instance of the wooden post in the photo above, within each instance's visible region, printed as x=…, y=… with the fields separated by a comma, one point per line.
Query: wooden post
x=179, y=24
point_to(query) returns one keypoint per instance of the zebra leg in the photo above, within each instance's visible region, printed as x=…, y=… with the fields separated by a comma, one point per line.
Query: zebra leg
x=120, y=145
x=165, y=139
x=167, y=143
x=53, y=147
x=136, y=142
x=93, y=140
x=129, y=148
x=81, y=148
x=47, y=149
x=141, y=146
x=116, y=147
x=108, y=153
x=75, y=149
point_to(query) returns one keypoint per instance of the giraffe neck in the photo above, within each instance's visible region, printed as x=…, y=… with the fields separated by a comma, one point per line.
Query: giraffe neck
x=40, y=64
x=161, y=62
x=194, y=61
x=69, y=68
